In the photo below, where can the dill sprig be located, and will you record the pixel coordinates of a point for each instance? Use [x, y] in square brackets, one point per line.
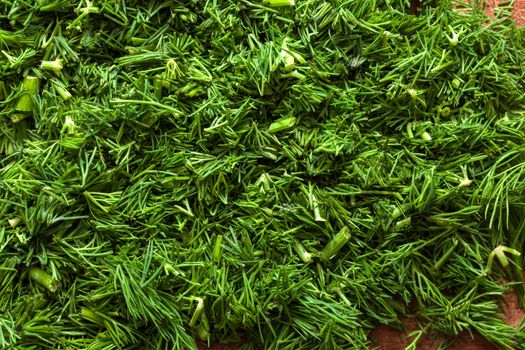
[284, 174]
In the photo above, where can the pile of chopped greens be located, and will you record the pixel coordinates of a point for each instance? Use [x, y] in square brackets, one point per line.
[280, 174]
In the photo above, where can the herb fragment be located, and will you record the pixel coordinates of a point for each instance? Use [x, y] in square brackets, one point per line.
[284, 174]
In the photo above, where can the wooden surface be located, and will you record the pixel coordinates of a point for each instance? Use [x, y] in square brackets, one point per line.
[519, 11]
[387, 338]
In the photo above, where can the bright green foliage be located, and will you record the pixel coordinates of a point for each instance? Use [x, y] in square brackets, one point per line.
[288, 174]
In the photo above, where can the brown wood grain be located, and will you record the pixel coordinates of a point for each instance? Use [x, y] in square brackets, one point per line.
[519, 11]
[387, 338]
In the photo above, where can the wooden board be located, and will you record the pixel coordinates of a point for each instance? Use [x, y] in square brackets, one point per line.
[387, 338]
